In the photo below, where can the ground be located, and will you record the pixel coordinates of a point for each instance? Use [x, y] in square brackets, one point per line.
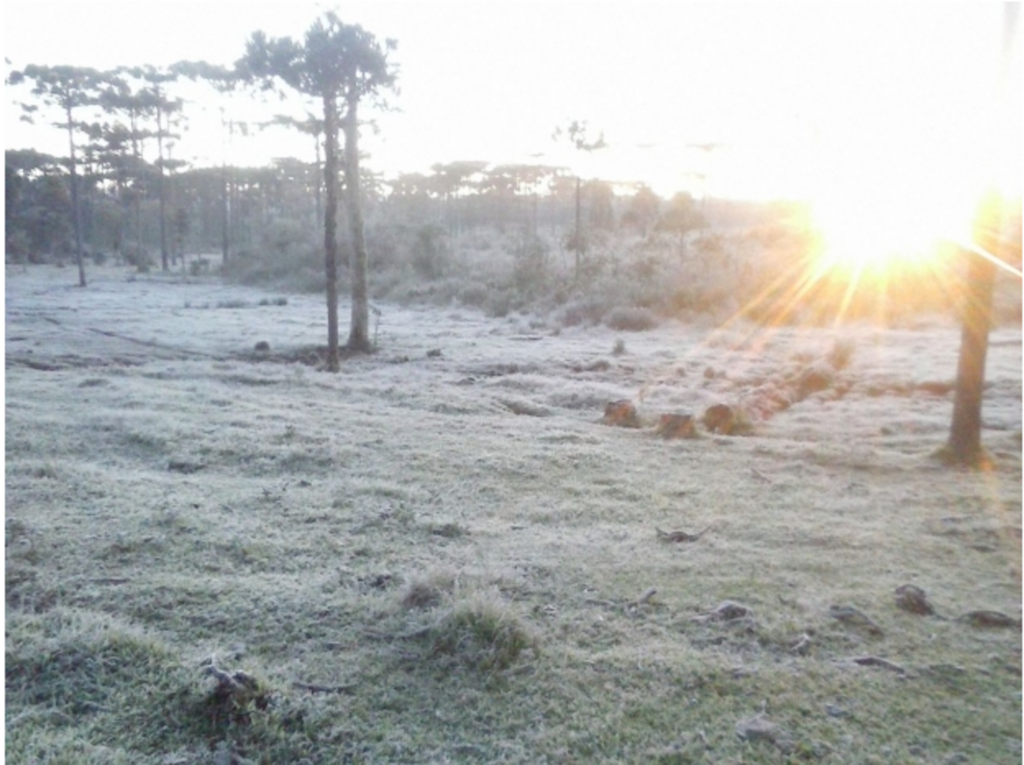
[440, 554]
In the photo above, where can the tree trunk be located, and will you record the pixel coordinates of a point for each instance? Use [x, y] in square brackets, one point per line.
[964, 446]
[331, 227]
[225, 235]
[76, 204]
[137, 191]
[577, 240]
[160, 189]
[317, 186]
[359, 333]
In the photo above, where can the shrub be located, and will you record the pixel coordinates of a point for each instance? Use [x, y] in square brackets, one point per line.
[474, 294]
[431, 254]
[630, 319]
[498, 303]
[588, 310]
[530, 256]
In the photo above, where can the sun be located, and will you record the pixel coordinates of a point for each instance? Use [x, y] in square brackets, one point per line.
[870, 226]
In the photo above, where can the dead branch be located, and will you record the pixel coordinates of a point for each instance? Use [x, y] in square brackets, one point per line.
[679, 536]
[875, 661]
[644, 598]
[314, 688]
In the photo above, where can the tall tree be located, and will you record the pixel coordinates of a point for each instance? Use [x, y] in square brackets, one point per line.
[166, 111]
[989, 251]
[121, 98]
[339, 64]
[576, 134]
[67, 88]
[989, 247]
[224, 80]
[37, 204]
[681, 217]
[643, 210]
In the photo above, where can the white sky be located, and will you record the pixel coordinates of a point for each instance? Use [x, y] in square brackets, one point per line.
[886, 96]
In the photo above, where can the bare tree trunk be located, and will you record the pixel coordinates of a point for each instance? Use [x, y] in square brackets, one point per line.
[577, 241]
[137, 192]
[331, 228]
[226, 214]
[76, 204]
[359, 333]
[317, 187]
[160, 190]
[964, 446]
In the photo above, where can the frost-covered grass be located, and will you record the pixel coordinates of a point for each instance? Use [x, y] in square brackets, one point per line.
[445, 557]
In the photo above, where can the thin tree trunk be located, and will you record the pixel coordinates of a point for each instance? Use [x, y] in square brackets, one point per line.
[317, 187]
[359, 334]
[76, 203]
[331, 227]
[160, 189]
[137, 191]
[964, 446]
[576, 236]
[225, 214]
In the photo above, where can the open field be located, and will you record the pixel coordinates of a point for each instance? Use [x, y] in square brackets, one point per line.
[440, 554]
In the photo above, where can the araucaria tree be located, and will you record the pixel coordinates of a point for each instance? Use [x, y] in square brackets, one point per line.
[340, 65]
[67, 88]
[576, 134]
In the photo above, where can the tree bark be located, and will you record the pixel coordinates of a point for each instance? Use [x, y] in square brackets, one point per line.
[964, 446]
[331, 227]
[359, 335]
[317, 186]
[161, 194]
[577, 240]
[76, 203]
[225, 236]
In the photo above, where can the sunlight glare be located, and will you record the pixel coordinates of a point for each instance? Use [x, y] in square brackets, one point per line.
[869, 220]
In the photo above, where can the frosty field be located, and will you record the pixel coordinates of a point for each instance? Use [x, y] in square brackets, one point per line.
[440, 554]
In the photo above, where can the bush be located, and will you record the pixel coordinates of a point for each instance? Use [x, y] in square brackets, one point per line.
[631, 319]
[530, 256]
[290, 256]
[431, 254]
[587, 310]
[475, 294]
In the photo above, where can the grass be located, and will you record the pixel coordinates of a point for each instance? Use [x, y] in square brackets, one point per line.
[412, 573]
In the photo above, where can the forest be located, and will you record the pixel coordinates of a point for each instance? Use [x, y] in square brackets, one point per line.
[496, 236]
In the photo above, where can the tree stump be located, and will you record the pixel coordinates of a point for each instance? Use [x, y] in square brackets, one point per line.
[720, 418]
[676, 426]
[622, 414]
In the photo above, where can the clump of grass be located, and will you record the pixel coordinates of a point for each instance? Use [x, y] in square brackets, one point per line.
[449, 530]
[80, 662]
[425, 591]
[232, 304]
[482, 631]
[45, 471]
[742, 424]
[278, 301]
[619, 348]
[841, 354]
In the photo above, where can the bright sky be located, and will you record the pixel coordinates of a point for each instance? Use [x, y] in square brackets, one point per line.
[894, 99]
